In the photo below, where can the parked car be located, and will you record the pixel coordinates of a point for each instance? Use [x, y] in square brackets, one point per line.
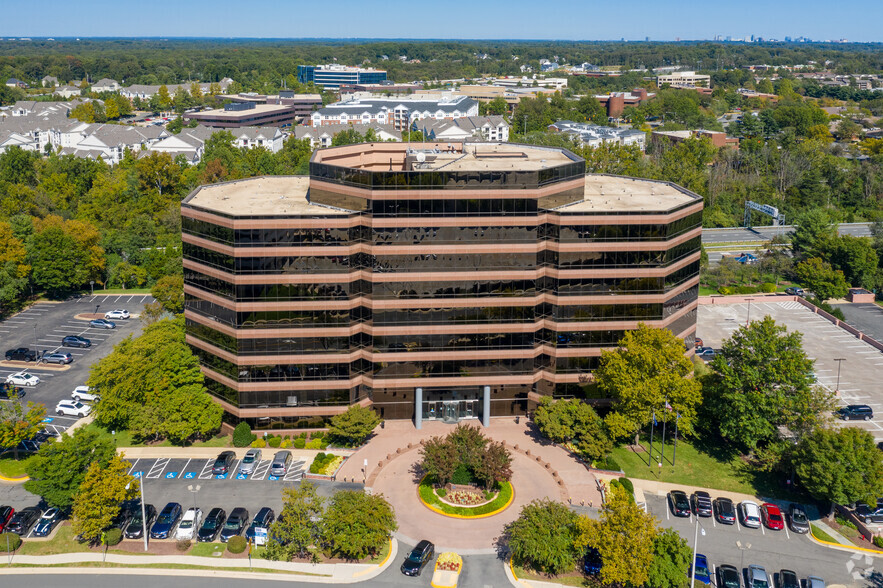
[750, 514]
[281, 463]
[728, 577]
[755, 577]
[235, 524]
[22, 521]
[47, 522]
[57, 357]
[21, 354]
[725, 511]
[117, 314]
[706, 353]
[166, 521]
[211, 525]
[856, 412]
[72, 408]
[772, 516]
[698, 342]
[189, 524]
[701, 572]
[421, 555]
[680, 506]
[787, 579]
[23, 379]
[84, 394]
[136, 526]
[76, 341]
[223, 463]
[701, 503]
[6, 513]
[870, 514]
[815, 582]
[795, 291]
[102, 324]
[121, 521]
[250, 461]
[263, 519]
[10, 391]
[797, 519]
[592, 562]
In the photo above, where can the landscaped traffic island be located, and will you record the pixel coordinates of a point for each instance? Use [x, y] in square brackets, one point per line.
[447, 570]
[465, 475]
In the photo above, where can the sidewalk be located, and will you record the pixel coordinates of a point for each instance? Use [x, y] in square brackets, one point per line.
[654, 488]
[319, 573]
[212, 452]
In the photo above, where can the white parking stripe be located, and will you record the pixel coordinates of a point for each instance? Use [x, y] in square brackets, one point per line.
[158, 468]
[260, 470]
[786, 532]
[184, 469]
[132, 469]
[206, 472]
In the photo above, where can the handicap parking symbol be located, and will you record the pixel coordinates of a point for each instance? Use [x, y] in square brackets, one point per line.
[171, 475]
[272, 478]
[137, 474]
[241, 476]
[221, 477]
[189, 475]
[48, 420]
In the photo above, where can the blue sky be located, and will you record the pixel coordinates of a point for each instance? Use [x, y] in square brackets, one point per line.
[859, 20]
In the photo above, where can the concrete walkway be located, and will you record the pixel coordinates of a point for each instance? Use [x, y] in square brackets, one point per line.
[133, 453]
[339, 573]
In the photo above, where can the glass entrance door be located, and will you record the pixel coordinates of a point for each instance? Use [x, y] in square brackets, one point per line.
[451, 411]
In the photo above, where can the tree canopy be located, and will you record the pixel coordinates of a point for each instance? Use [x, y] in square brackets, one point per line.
[841, 465]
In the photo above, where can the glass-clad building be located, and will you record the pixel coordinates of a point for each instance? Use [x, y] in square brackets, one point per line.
[331, 77]
[431, 281]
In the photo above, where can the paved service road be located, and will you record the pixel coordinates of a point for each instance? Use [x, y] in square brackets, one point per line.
[738, 234]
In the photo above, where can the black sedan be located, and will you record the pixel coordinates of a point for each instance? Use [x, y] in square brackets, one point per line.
[418, 558]
[725, 511]
[223, 463]
[76, 341]
[47, 522]
[787, 579]
[262, 520]
[211, 525]
[797, 519]
[23, 520]
[135, 528]
[728, 577]
[679, 504]
[235, 524]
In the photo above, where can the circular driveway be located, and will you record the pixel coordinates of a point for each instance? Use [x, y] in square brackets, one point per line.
[397, 481]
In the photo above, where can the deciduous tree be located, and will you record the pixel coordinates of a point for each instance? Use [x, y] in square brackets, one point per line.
[823, 280]
[100, 497]
[672, 558]
[297, 528]
[574, 421]
[841, 465]
[169, 292]
[354, 425]
[357, 525]
[19, 422]
[543, 536]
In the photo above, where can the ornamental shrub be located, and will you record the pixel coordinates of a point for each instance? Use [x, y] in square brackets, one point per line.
[242, 435]
[182, 545]
[746, 289]
[725, 290]
[274, 441]
[113, 536]
[768, 287]
[878, 541]
[300, 443]
[315, 444]
[259, 443]
[237, 544]
[287, 444]
[13, 539]
[462, 475]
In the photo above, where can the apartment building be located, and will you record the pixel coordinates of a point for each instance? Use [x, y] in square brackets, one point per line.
[677, 79]
[399, 112]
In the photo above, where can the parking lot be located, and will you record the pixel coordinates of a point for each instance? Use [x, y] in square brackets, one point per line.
[742, 546]
[201, 469]
[42, 327]
[859, 380]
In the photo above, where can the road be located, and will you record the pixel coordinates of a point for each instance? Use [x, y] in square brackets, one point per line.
[740, 234]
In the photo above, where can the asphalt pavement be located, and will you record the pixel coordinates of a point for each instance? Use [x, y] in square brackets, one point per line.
[738, 234]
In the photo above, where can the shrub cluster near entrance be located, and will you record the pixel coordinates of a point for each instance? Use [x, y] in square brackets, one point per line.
[467, 455]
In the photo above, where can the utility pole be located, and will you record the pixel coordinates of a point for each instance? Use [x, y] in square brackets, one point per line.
[839, 361]
[748, 319]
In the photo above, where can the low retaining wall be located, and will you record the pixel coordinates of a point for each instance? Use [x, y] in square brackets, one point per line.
[850, 516]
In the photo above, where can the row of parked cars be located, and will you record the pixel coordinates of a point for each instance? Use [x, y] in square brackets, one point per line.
[750, 513]
[20, 522]
[76, 406]
[173, 522]
[279, 467]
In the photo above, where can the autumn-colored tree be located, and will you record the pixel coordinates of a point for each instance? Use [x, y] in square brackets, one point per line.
[100, 497]
[20, 423]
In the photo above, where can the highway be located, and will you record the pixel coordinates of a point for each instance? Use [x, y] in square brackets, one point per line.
[741, 234]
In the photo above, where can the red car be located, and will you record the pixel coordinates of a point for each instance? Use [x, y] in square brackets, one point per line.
[772, 516]
[6, 513]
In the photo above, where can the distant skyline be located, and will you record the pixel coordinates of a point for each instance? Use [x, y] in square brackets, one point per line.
[660, 20]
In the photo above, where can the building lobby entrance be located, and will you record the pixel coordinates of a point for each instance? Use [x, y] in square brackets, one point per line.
[450, 405]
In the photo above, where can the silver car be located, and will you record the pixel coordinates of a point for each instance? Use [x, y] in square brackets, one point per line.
[250, 461]
[756, 577]
[280, 464]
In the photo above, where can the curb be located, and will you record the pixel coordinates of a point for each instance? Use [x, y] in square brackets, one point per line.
[14, 480]
[382, 565]
[841, 547]
[466, 517]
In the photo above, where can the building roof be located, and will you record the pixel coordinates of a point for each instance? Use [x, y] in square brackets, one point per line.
[258, 109]
[262, 196]
[587, 132]
[604, 193]
[497, 157]
[377, 105]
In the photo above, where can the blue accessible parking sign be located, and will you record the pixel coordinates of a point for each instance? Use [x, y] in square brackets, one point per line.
[221, 477]
[273, 478]
[138, 474]
[189, 475]
[171, 475]
[241, 476]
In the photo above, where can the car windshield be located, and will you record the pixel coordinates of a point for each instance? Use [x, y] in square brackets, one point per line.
[210, 524]
[775, 517]
[185, 524]
[731, 581]
[415, 556]
[758, 583]
[136, 521]
[164, 518]
[220, 462]
[232, 523]
[248, 459]
[701, 568]
[798, 517]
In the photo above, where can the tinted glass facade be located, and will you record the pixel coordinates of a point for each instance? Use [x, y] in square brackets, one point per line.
[304, 314]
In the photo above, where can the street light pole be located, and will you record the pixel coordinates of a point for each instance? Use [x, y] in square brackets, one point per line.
[143, 512]
[748, 320]
[839, 361]
[695, 549]
[194, 490]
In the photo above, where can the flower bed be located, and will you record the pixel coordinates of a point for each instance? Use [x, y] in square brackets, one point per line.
[430, 499]
[449, 561]
[463, 498]
[325, 464]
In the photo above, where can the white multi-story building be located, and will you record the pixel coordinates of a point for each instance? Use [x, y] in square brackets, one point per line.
[678, 79]
[483, 128]
[398, 112]
[596, 135]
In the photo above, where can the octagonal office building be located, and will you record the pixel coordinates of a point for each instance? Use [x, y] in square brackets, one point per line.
[432, 281]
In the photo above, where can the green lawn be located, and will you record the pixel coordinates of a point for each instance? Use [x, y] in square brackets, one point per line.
[697, 464]
[207, 549]
[124, 438]
[13, 468]
[822, 536]
[565, 580]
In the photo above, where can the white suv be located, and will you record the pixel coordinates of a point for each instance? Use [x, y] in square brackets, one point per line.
[116, 314]
[750, 514]
[84, 394]
[72, 408]
[189, 524]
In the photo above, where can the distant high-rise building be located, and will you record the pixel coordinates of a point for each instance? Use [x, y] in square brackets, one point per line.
[331, 77]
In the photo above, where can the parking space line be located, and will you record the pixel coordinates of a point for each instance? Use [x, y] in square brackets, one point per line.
[184, 469]
[260, 470]
[786, 532]
[133, 466]
[761, 529]
[206, 473]
[158, 468]
[231, 475]
[295, 473]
